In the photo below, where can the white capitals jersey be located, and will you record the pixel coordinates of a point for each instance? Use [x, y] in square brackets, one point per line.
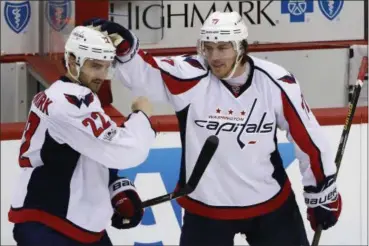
[69, 155]
[245, 178]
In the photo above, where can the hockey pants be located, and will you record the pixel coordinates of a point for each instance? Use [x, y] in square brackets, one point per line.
[36, 234]
[282, 227]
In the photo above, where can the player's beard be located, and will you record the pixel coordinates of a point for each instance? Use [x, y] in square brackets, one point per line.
[221, 72]
[224, 70]
[95, 85]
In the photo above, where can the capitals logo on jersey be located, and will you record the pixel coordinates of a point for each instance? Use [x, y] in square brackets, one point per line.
[237, 123]
[87, 99]
[58, 13]
[17, 15]
[289, 79]
[193, 62]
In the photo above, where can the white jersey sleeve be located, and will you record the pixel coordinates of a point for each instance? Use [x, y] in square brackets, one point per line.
[80, 122]
[311, 146]
[168, 79]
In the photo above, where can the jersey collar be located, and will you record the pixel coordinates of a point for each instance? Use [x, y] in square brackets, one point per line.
[246, 85]
[65, 79]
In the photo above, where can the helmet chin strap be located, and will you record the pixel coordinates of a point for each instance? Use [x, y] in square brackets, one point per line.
[237, 62]
[234, 66]
[76, 78]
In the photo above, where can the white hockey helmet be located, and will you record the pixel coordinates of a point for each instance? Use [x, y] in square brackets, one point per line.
[224, 27]
[85, 43]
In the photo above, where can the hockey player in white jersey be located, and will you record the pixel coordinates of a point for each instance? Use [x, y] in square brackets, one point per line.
[69, 190]
[243, 100]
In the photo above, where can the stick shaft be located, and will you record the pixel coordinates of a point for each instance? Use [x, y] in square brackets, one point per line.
[206, 153]
[165, 198]
[346, 130]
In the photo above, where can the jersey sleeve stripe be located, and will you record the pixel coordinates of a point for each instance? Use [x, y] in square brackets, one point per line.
[174, 84]
[302, 138]
[299, 132]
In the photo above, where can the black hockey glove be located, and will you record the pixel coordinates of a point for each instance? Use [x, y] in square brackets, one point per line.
[324, 204]
[123, 39]
[127, 204]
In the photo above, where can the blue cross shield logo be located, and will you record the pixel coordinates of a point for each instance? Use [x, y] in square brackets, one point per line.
[17, 15]
[58, 13]
[330, 9]
[297, 9]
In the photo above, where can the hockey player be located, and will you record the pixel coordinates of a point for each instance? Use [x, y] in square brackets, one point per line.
[69, 190]
[243, 100]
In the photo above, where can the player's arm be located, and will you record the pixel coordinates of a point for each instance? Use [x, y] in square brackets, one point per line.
[93, 134]
[313, 152]
[168, 79]
[165, 79]
[312, 149]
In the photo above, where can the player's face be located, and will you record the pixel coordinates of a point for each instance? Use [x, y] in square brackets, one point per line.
[93, 73]
[221, 57]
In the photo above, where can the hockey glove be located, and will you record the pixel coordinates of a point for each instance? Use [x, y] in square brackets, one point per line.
[94, 23]
[324, 204]
[123, 39]
[127, 204]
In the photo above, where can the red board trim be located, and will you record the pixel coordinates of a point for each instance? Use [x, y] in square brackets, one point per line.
[192, 50]
[169, 123]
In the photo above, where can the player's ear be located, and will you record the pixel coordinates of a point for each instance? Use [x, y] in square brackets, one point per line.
[71, 60]
[72, 63]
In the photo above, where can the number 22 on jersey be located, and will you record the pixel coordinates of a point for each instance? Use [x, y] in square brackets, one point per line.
[34, 121]
[92, 123]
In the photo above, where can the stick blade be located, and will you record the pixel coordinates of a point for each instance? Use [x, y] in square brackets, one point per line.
[206, 153]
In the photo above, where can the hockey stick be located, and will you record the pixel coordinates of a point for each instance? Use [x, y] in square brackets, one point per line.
[346, 129]
[206, 153]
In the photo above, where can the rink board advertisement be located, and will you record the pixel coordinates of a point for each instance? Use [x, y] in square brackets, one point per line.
[166, 24]
[158, 23]
[158, 175]
[20, 25]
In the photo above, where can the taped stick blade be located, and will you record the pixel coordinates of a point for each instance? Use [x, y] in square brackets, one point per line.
[206, 153]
